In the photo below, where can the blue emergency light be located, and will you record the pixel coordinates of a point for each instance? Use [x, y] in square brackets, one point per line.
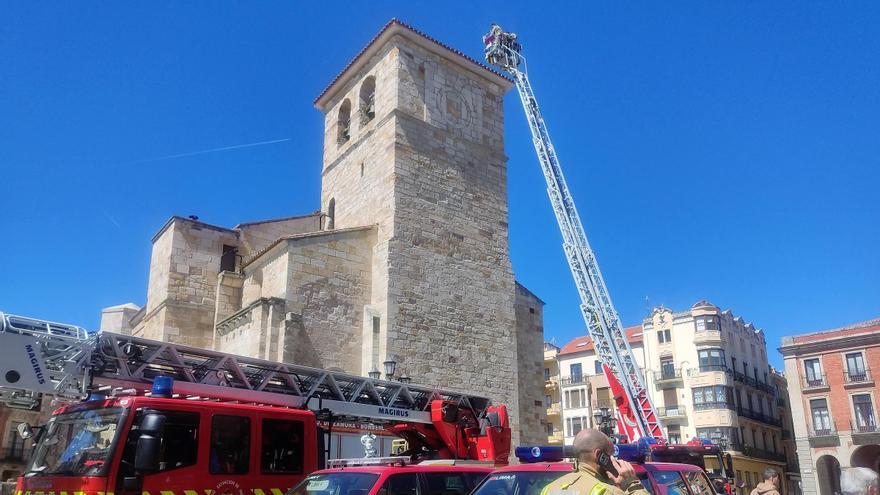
[162, 386]
[630, 452]
[543, 453]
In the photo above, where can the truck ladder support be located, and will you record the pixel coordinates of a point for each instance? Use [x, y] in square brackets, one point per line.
[42, 357]
[603, 323]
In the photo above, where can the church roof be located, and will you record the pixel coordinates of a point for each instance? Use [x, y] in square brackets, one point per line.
[393, 27]
[319, 233]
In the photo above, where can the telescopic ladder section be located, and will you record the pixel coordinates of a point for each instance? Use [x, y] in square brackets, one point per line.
[40, 357]
[603, 324]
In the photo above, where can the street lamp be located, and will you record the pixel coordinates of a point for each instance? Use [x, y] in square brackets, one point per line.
[404, 379]
[390, 366]
[375, 374]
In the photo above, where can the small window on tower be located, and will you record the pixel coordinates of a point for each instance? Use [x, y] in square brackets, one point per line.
[343, 123]
[331, 214]
[367, 108]
[227, 259]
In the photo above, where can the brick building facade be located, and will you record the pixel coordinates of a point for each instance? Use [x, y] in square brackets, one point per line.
[833, 396]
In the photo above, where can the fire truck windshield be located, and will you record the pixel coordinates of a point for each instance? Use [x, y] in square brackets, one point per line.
[335, 484]
[77, 443]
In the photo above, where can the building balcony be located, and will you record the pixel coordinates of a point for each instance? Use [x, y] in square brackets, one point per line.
[554, 409]
[705, 406]
[780, 402]
[762, 454]
[858, 378]
[764, 387]
[763, 418]
[816, 383]
[552, 383]
[709, 368]
[672, 412]
[865, 434]
[823, 437]
[707, 337]
[787, 435]
[555, 438]
[668, 378]
[568, 381]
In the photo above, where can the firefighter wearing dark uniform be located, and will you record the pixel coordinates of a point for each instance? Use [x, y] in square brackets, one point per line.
[591, 479]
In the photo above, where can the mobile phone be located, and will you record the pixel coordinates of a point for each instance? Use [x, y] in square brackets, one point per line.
[604, 461]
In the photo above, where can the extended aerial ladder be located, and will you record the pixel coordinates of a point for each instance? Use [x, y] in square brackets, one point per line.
[603, 323]
[64, 361]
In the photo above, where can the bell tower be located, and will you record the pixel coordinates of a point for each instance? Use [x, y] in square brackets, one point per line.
[414, 144]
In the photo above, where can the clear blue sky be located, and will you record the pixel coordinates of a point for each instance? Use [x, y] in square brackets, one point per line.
[720, 150]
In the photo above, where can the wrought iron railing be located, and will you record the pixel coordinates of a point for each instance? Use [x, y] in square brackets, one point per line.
[762, 454]
[815, 381]
[822, 432]
[857, 376]
[667, 374]
[713, 367]
[671, 411]
[13, 454]
[863, 428]
[712, 405]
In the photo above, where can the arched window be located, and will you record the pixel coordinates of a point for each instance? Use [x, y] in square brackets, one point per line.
[367, 99]
[331, 213]
[343, 123]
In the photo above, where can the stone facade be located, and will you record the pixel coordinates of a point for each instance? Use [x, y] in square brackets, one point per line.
[408, 258]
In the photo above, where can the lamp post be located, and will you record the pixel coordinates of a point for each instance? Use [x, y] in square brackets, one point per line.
[375, 374]
[390, 366]
[404, 379]
[604, 420]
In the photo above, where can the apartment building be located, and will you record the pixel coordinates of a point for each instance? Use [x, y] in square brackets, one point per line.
[584, 390]
[833, 397]
[552, 395]
[710, 379]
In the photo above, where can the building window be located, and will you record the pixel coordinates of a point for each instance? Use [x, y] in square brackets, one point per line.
[598, 367]
[576, 426]
[813, 370]
[377, 325]
[227, 258]
[282, 447]
[712, 360]
[576, 372]
[230, 444]
[712, 397]
[728, 438]
[367, 99]
[667, 368]
[343, 123]
[673, 433]
[864, 412]
[706, 323]
[821, 417]
[331, 214]
[855, 367]
[548, 401]
[664, 336]
[546, 374]
[575, 398]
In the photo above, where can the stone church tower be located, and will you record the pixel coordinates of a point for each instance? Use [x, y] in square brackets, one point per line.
[407, 259]
[413, 143]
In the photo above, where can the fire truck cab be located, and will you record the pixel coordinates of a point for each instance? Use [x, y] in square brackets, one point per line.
[161, 446]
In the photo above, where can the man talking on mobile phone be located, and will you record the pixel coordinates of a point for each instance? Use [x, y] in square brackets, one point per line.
[597, 472]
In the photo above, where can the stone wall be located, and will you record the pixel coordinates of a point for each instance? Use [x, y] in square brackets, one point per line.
[304, 301]
[184, 273]
[450, 272]
[530, 366]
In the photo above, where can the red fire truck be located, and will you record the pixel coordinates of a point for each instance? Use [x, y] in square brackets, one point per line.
[166, 419]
